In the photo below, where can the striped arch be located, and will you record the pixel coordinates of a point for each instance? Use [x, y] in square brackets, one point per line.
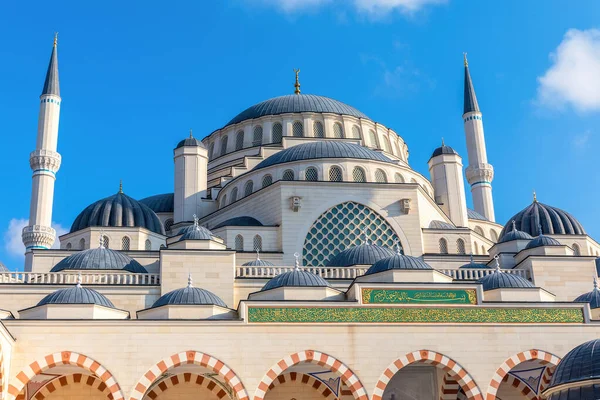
[195, 358]
[546, 378]
[463, 378]
[322, 359]
[307, 380]
[66, 380]
[173, 380]
[510, 363]
[520, 386]
[450, 388]
[65, 358]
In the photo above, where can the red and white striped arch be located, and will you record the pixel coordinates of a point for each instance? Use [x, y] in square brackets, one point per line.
[201, 381]
[306, 380]
[520, 386]
[72, 379]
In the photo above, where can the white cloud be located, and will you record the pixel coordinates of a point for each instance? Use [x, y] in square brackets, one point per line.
[574, 77]
[12, 237]
[371, 7]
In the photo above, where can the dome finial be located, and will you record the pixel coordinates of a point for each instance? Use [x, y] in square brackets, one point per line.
[534, 197]
[366, 236]
[189, 279]
[397, 246]
[540, 233]
[195, 221]
[297, 84]
[443, 144]
[514, 224]
[257, 255]
[191, 136]
[101, 239]
[595, 283]
[465, 59]
[297, 263]
[497, 259]
[55, 38]
[471, 258]
[121, 186]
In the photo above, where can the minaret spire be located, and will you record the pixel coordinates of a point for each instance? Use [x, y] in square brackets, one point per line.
[51, 84]
[297, 84]
[471, 104]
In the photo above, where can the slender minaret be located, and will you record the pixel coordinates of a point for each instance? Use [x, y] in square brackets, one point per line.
[479, 173]
[44, 162]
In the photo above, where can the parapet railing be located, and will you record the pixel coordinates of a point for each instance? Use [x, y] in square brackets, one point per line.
[466, 274]
[71, 278]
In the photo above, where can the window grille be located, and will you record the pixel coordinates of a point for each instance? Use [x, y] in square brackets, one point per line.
[224, 201]
[358, 175]
[239, 243]
[125, 242]
[318, 130]
[267, 180]
[460, 246]
[257, 243]
[234, 194]
[288, 175]
[398, 178]
[69, 245]
[479, 231]
[168, 224]
[311, 174]
[148, 245]
[239, 140]
[224, 145]
[493, 235]
[356, 132]
[576, 249]
[249, 188]
[211, 150]
[338, 131]
[297, 129]
[82, 244]
[277, 132]
[105, 241]
[257, 136]
[380, 176]
[386, 145]
[372, 139]
[335, 174]
[443, 246]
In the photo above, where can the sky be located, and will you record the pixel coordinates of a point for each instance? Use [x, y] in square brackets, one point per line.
[135, 76]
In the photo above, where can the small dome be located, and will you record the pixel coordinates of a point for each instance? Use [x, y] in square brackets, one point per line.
[118, 210]
[542, 240]
[435, 224]
[443, 149]
[580, 364]
[592, 297]
[474, 265]
[398, 261]
[472, 214]
[239, 221]
[514, 234]
[76, 295]
[191, 296]
[197, 233]
[258, 263]
[554, 221]
[190, 141]
[99, 259]
[295, 278]
[160, 203]
[503, 280]
[364, 254]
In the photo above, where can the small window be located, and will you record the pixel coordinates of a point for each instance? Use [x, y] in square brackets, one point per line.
[148, 245]
[257, 136]
[239, 243]
[358, 175]
[493, 235]
[338, 131]
[224, 201]
[82, 244]
[386, 145]
[224, 145]
[335, 174]
[234, 194]
[460, 246]
[267, 181]
[211, 150]
[257, 243]
[277, 132]
[249, 188]
[105, 241]
[297, 129]
[239, 140]
[69, 246]
[398, 178]
[380, 176]
[318, 130]
[576, 249]
[125, 243]
[413, 180]
[479, 231]
[483, 251]
[372, 139]
[443, 246]
[288, 175]
[311, 174]
[168, 224]
[356, 132]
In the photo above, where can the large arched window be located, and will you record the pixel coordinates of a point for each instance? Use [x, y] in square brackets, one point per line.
[398, 178]
[234, 195]
[239, 243]
[311, 174]
[460, 246]
[373, 139]
[82, 244]
[443, 246]
[380, 176]
[168, 224]
[257, 136]
[338, 131]
[257, 242]
[288, 175]
[224, 145]
[318, 130]
[239, 140]
[297, 129]
[105, 241]
[335, 174]
[249, 188]
[277, 132]
[358, 175]
[125, 243]
[148, 245]
[267, 180]
[576, 249]
[211, 150]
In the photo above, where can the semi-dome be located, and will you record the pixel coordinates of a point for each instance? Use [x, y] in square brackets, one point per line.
[473, 265]
[398, 262]
[99, 259]
[76, 295]
[553, 221]
[579, 365]
[364, 254]
[296, 103]
[160, 203]
[592, 297]
[542, 240]
[437, 224]
[189, 296]
[503, 280]
[514, 234]
[295, 278]
[239, 221]
[322, 149]
[118, 210]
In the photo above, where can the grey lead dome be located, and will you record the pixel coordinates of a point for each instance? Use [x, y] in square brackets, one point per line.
[99, 259]
[76, 295]
[554, 221]
[295, 278]
[191, 296]
[364, 254]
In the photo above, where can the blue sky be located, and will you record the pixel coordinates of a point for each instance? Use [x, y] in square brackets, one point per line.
[135, 76]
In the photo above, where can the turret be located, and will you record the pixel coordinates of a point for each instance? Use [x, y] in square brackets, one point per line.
[191, 174]
[479, 173]
[445, 168]
[44, 162]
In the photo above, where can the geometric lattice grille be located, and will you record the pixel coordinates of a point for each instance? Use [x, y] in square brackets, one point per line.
[105, 241]
[335, 174]
[125, 243]
[239, 242]
[338, 131]
[311, 174]
[460, 246]
[443, 246]
[239, 140]
[358, 175]
[297, 129]
[342, 227]
[257, 136]
[398, 178]
[380, 176]
[257, 242]
[267, 180]
[288, 175]
[356, 132]
[148, 245]
[318, 130]
[277, 132]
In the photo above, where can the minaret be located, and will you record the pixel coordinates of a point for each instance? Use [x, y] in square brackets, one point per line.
[44, 162]
[479, 173]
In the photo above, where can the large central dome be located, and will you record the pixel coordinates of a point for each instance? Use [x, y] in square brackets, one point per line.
[296, 103]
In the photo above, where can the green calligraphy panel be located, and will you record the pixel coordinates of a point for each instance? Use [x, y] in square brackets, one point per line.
[419, 296]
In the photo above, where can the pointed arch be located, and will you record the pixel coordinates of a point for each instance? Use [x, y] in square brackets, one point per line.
[65, 358]
[189, 357]
[466, 382]
[312, 356]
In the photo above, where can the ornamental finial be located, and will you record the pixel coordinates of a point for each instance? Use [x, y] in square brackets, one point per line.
[195, 221]
[121, 186]
[191, 136]
[297, 264]
[79, 279]
[366, 236]
[534, 197]
[397, 245]
[497, 259]
[55, 38]
[189, 279]
[514, 224]
[465, 59]
[257, 255]
[471, 259]
[540, 233]
[595, 283]
[101, 239]
[297, 84]
[443, 144]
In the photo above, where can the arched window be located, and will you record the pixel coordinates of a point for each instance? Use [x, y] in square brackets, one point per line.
[148, 245]
[443, 246]
[460, 246]
[297, 129]
[476, 247]
[168, 224]
[356, 132]
[105, 241]
[483, 251]
[125, 242]
[249, 188]
[224, 201]
[211, 150]
[277, 132]
[239, 243]
[493, 235]
[479, 231]
[372, 139]
[398, 178]
[82, 244]
[413, 180]
[338, 131]
[69, 245]
[318, 130]
[288, 175]
[358, 175]
[239, 140]
[224, 145]
[386, 144]
[311, 174]
[267, 180]
[234, 194]
[335, 174]
[257, 243]
[576, 249]
[257, 136]
[380, 176]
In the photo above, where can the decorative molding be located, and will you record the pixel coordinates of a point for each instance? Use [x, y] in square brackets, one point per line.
[479, 172]
[420, 296]
[45, 159]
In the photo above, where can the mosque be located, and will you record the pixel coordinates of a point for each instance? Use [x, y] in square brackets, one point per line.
[300, 257]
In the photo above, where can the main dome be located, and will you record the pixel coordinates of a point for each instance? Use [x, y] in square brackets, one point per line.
[296, 103]
[554, 221]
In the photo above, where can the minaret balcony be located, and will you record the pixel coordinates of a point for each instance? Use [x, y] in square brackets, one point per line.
[38, 236]
[45, 160]
[479, 173]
